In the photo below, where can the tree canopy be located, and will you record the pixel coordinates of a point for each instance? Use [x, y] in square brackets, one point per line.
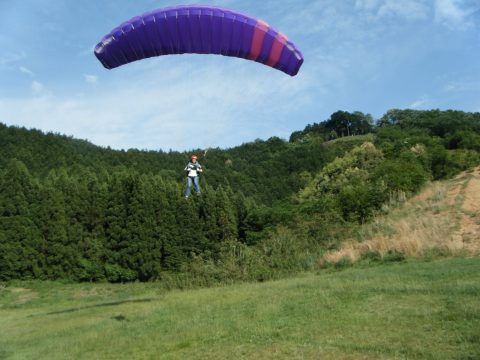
[72, 210]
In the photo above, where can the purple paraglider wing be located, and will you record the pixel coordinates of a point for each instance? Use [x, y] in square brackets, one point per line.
[198, 30]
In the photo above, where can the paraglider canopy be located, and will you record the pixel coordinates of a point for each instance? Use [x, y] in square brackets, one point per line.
[198, 29]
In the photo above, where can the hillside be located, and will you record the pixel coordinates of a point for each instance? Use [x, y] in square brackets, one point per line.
[267, 171]
[443, 218]
[268, 209]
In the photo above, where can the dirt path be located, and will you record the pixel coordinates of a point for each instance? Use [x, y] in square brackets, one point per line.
[472, 193]
[468, 202]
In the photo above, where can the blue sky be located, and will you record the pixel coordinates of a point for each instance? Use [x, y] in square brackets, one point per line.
[360, 55]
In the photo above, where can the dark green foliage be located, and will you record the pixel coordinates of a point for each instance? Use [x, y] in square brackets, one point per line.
[371, 256]
[71, 210]
[343, 263]
[464, 140]
[124, 227]
[401, 174]
[340, 124]
[438, 123]
[438, 132]
[20, 239]
[393, 256]
[349, 182]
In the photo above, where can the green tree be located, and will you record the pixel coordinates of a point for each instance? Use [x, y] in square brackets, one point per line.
[20, 240]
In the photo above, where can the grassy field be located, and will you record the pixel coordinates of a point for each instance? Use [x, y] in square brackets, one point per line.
[412, 310]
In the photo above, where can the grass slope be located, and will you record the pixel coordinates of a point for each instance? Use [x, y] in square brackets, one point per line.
[444, 217]
[412, 310]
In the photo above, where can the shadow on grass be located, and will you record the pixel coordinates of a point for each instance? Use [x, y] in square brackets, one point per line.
[120, 318]
[4, 354]
[112, 303]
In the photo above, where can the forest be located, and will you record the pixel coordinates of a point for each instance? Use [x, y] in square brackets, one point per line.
[74, 211]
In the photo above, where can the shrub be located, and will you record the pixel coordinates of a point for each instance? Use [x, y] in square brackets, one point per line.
[394, 256]
[344, 262]
[116, 273]
[371, 256]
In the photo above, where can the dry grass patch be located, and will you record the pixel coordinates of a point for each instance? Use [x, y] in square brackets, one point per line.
[23, 295]
[445, 217]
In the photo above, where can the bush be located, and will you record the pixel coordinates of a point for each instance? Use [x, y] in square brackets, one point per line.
[343, 263]
[394, 256]
[371, 256]
[116, 273]
[404, 174]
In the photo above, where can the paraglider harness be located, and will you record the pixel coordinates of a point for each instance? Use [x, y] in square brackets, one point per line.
[193, 167]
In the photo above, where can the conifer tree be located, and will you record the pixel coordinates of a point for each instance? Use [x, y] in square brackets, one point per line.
[20, 239]
[58, 251]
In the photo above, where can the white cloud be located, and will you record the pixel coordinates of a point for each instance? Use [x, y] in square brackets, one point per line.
[91, 79]
[366, 4]
[422, 103]
[408, 9]
[11, 57]
[455, 13]
[462, 86]
[187, 107]
[25, 70]
[88, 51]
[37, 88]
[318, 17]
[330, 18]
